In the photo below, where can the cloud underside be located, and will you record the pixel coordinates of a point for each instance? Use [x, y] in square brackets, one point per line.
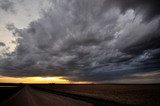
[7, 5]
[88, 40]
[2, 44]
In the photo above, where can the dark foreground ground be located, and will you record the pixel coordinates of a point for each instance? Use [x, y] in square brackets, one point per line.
[79, 95]
[28, 96]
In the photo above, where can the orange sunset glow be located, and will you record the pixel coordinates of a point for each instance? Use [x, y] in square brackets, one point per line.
[33, 80]
[56, 79]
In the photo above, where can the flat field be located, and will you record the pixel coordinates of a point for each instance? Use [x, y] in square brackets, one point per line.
[133, 94]
[6, 91]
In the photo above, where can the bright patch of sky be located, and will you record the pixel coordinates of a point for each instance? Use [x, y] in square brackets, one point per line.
[20, 13]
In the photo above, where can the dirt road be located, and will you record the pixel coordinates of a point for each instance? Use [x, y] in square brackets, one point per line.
[32, 97]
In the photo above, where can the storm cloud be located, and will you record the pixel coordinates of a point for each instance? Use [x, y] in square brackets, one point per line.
[2, 44]
[88, 40]
[7, 5]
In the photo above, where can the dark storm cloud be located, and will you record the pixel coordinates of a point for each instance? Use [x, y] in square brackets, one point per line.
[88, 40]
[149, 7]
[2, 44]
[7, 5]
[148, 61]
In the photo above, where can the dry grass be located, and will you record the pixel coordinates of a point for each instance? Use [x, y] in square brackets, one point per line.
[128, 94]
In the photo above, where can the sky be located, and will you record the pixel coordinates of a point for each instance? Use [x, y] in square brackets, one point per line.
[76, 41]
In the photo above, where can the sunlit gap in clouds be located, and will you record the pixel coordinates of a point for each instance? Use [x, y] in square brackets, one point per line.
[55, 79]
[33, 79]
